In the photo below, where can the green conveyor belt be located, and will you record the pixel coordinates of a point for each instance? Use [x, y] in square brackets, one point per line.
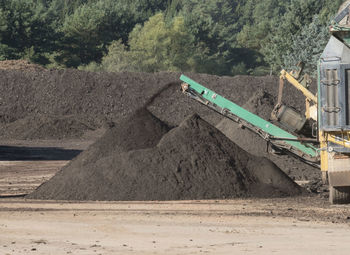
[249, 117]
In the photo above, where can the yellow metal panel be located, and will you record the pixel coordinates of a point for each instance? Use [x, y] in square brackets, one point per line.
[324, 152]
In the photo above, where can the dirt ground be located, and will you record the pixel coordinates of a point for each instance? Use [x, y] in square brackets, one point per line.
[24, 165]
[187, 227]
[17, 177]
[302, 225]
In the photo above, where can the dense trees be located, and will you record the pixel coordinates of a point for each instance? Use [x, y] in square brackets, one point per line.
[296, 19]
[212, 36]
[155, 46]
[26, 29]
[307, 46]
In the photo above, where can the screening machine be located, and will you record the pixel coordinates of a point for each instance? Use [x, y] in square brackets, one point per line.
[328, 145]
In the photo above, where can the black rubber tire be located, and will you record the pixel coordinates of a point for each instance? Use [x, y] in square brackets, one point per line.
[339, 195]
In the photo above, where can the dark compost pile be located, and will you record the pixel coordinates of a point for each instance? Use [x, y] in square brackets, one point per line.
[68, 104]
[141, 159]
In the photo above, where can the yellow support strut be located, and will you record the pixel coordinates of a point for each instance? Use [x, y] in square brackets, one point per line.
[287, 76]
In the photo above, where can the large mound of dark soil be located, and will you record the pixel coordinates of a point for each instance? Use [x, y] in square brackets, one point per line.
[42, 126]
[113, 96]
[92, 99]
[141, 160]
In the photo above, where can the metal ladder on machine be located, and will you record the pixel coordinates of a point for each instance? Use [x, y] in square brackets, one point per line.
[280, 139]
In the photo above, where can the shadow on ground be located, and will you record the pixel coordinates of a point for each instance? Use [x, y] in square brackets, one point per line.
[14, 153]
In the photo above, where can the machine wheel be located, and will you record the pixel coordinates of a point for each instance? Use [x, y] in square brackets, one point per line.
[339, 195]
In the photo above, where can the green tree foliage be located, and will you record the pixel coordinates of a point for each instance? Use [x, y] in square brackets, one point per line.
[26, 30]
[118, 59]
[258, 18]
[308, 46]
[161, 47]
[68, 32]
[328, 10]
[83, 41]
[94, 24]
[299, 13]
[214, 25]
[155, 46]
[213, 36]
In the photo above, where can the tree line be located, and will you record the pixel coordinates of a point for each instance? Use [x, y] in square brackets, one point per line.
[224, 37]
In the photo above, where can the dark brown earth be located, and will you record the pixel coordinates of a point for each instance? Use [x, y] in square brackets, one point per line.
[109, 96]
[42, 126]
[142, 161]
[63, 104]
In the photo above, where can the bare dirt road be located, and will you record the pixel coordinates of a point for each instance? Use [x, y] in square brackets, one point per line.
[18, 177]
[186, 227]
[302, 225]
[24, 165]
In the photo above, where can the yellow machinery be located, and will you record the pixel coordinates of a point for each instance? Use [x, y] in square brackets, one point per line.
[330, 108]
[326, 119]
[332, 130]
[334, 108]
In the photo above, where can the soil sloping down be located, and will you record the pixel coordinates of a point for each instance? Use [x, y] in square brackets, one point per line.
[149, 161]
[64, 104]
